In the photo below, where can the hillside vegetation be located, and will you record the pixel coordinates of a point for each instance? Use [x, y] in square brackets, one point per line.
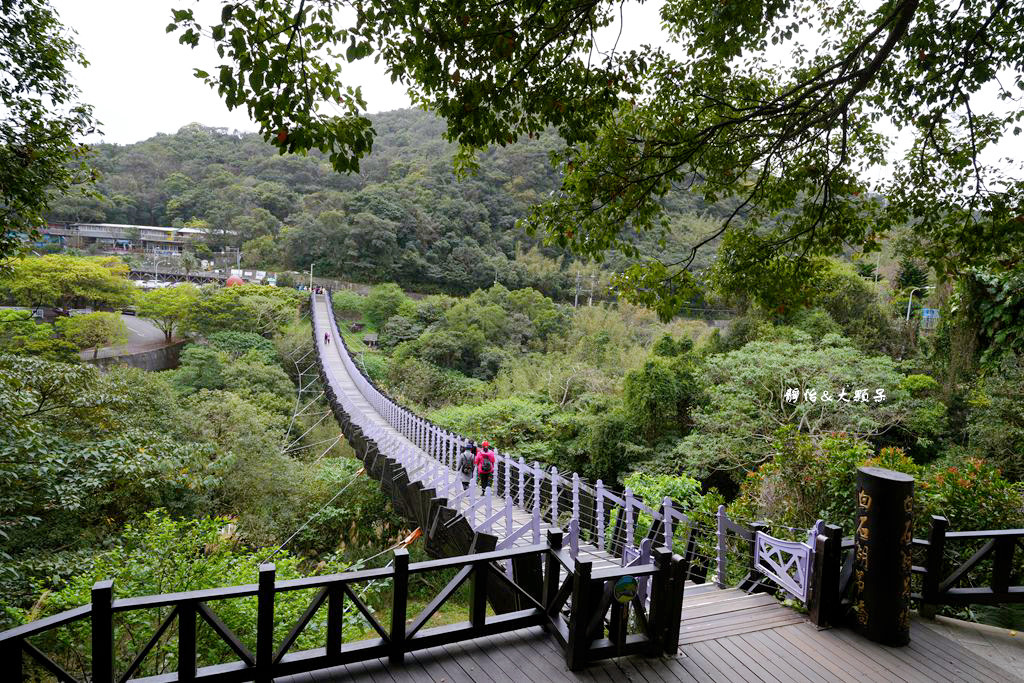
[404, 217]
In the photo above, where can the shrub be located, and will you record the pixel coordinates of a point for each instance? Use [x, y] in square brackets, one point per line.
[348, 304]
[809, 479]
[160, 552]
[996, 422]
[660, 395]
[972, 494]
[383, 302]
[236, 343]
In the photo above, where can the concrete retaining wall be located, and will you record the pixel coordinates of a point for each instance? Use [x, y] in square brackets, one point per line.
[162, 358]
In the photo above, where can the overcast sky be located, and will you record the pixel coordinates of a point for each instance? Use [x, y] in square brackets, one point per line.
[140, 79]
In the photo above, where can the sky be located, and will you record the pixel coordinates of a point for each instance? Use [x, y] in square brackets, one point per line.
[140, 80]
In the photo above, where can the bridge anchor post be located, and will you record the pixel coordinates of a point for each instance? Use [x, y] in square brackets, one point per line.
[882, 561]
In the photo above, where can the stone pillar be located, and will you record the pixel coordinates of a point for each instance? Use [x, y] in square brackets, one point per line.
[881, 565]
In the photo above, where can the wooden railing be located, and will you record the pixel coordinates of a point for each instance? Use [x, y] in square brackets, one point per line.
[996, 550]
[576, 603]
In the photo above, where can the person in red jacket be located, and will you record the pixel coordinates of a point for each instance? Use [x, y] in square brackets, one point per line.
[485, 465]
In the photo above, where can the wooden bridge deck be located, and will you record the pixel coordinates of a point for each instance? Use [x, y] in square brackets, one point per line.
[726, 635]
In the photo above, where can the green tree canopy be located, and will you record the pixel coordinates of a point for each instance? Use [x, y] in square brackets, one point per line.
[383, 302]
[789, 143]
[261, 309]
[41, 118]
[747, 400]
[168, 307]
[64, 280]
[94, 330]
[21, 335]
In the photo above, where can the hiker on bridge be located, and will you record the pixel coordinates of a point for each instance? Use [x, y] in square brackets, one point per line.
[485, 459]
[467, 461]
[327, 338]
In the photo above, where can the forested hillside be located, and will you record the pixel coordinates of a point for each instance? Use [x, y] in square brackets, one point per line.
[404, 217]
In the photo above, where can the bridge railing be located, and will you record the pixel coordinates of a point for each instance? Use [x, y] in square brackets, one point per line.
[617, 523]
[584, 610]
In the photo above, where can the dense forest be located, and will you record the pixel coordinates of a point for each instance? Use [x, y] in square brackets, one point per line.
[404, 217]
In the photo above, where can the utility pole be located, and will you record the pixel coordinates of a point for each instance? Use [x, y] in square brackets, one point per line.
[576, 300]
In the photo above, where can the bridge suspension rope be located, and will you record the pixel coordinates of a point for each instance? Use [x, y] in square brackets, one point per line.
[314, 515]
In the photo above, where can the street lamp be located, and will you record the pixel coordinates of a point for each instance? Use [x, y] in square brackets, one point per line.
[911, 300]
[311, 277]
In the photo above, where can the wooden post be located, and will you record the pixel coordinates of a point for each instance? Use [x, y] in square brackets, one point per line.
[399, 601]
[674, 610]
[489, 504]
[882, 562]
[11, 656]
[659, 600]
[335, 619]
[823, 602]
[102, 618]
[752, 571]
[666, 517]
[478, 604]
[628, 497]
[538, 477]
[187, 641]
[576, 496]
[522, 483]
[933, 566]
[1002, 564]
[551, 570]
[506, 462]
[579, 618]
[265, 624]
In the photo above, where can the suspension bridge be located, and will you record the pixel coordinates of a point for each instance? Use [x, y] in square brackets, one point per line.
[568, 580]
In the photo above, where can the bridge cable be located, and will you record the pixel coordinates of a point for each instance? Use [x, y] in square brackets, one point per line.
[315, 514]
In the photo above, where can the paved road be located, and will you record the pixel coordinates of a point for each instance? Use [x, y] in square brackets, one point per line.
[142, 336]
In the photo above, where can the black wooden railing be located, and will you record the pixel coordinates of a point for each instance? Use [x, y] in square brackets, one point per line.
[995, 552]
[576, 604]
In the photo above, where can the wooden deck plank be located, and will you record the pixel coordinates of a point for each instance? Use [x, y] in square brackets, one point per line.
[654, 670]
[745, 668]
[524, 651]
[683, 666]
[741, 612]
[897, 659]
[942, 646]
[409, 672]
[715, 670]
[431, 667]
[956, 668]
[475, 653]
[735, 627]
[792, 666]
[711, 609]
[813, 643]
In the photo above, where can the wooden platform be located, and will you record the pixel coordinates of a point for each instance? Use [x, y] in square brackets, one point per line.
[726, 636]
